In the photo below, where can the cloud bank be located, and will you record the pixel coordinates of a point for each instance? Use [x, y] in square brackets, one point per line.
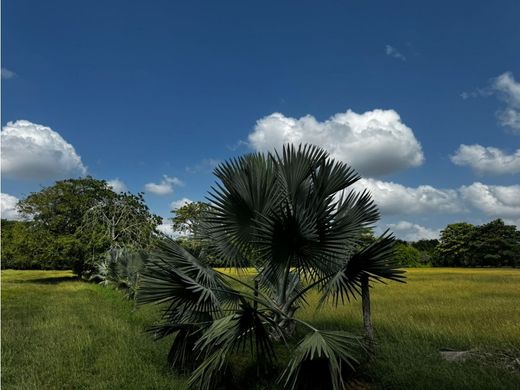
[393, 198]
[508, 91]
[487, 160]
[8, 207]
[409, 231]
[32, 151]
[375, 143]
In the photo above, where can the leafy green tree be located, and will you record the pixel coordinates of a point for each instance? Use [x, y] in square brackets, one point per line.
[75, 221]
[60, 208]
[29, 246]
[495, 244]
[407, 256]
[187, 219]
[453, 248]
[295, 214]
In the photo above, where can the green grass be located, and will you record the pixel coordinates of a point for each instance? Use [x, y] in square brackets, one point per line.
[61, 333]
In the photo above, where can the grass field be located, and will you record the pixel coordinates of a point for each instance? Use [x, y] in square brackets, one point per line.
[60, 333]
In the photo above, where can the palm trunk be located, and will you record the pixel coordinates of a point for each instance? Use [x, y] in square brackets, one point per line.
[367, 319]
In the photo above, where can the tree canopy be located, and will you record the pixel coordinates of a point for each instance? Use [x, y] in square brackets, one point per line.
[72, 223]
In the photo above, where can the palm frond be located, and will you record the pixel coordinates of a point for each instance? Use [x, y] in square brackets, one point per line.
[320, 360]
[244, 329]
[376, 260]
[174, 276]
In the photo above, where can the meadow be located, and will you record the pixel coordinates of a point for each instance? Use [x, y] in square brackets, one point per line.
[59, 332]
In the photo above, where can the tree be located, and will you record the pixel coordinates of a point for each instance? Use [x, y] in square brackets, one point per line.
[75, 221]
[295, 214]
[453, 247]
[60, 208]
[407, 256]
[495, 244]
[187, 218]
[120, 221]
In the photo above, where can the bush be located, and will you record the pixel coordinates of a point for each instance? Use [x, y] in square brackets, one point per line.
[408, 256]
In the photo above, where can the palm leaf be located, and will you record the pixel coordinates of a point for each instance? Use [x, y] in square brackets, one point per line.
[376, 260]
[320, 360]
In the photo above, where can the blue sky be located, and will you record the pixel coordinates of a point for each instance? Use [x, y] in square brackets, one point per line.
[146, 89]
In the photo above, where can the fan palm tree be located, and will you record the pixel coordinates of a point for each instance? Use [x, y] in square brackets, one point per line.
[293, 216]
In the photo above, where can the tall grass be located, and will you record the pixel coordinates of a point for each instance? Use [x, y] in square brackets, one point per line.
[58, 332]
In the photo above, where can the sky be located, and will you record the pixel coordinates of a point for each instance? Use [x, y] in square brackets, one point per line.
[422, 98]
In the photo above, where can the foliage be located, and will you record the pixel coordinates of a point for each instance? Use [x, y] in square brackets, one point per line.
[60, 208]
[71, 224]
[186, 219]
[121, 267]
[26, 245]
[407, 256]
[295, 217]
[453, 248]
[118, 222]
[496, 244]
[492, 244]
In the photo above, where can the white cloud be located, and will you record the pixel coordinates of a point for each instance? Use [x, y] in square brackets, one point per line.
[117, 185]
[487, 160]
[375, 143]
[508, 88]
[409, 231]
[510, 117]
[7, 74]
[8, 207]
[165, 187]
[494, 201]
[393, 198]
[167, 229]
[177, 204]
[509, 91]
[33, 151]
[206, 166]
[393, 52]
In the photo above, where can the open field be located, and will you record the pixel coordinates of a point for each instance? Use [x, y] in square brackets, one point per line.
[58, 332]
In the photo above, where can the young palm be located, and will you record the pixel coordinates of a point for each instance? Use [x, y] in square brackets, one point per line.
[294, 218]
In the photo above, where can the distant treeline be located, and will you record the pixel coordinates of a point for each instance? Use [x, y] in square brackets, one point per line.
[78, 223]
[493, 244]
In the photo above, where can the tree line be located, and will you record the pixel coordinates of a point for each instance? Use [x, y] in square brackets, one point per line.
[81, 224]
[493, 244]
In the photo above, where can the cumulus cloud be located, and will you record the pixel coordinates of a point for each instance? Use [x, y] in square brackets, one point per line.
[166, 228]
[509, 91]
[7, 74]
[494, 201]
[8, 207]
[177, 204]
[487, 160]
[393, 52]
[117, 185]
[165, 187]
[409, 231]
[33, 151]
[393, 198]
[375, 143]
